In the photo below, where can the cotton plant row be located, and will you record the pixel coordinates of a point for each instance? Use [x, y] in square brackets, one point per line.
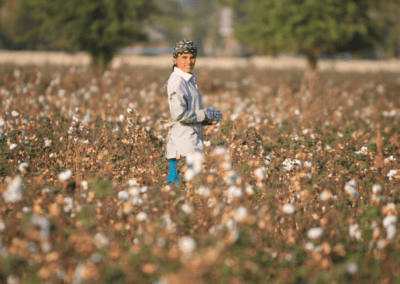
[281, 174]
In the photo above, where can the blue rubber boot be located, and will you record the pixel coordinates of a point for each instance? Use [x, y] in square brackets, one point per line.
[173, 172]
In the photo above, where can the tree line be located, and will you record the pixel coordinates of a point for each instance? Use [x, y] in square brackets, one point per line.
[100, 27]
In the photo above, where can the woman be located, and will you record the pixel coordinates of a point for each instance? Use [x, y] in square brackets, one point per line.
[185, 135]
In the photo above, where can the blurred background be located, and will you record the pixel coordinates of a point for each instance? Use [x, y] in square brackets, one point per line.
[313, 29]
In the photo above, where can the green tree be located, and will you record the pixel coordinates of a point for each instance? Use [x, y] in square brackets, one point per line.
[310, 27]
[98, 27]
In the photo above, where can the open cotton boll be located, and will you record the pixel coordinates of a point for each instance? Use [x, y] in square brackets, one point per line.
[233, 192]
[190, 174]
[132, 182]
[219, 151]
[85, 185]
[15, 113]
[207, 143]
[355, 232]
[230, 177]
[241, 214]
[13, 193]
[352, 268]
[376, 188]
[134, 191]
[390, 231]
[288, 208]
[187, 208]
[65, 175]
[324, 195]
[315, 233]
[123, 194]
[13, 146]
[196, 160]
[249, 190]
[186, 245]
[142, 216]
[69, 204]
[389, 220]
[23, 168]
[260, 172]
[100, 240]
[204, 191]
[391, 173]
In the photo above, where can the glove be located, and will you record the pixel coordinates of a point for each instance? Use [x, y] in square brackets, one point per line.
[213, 114]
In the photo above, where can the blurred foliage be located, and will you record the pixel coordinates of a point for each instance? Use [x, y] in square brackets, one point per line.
[196, 20]
[312, 27]
[93, 26]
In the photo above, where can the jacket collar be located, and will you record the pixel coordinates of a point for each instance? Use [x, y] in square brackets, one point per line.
[183, 74]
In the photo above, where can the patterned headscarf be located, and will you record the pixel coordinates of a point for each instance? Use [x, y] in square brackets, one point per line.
[184, 46]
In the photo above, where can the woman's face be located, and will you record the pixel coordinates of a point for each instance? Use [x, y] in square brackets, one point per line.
[185, 62]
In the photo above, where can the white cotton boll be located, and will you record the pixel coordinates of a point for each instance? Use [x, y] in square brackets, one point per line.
[288, 208]
[143, 189]
[354, 231]
[100, 240]
[15, 113]
[69, 204]
[295, 137]
[2, 226]
[204, 191]
[219, 151]
[241, 214]
[186, 245]
[287, 164]
[390, 231]
[23, 167]
[268, 159]
[249, 190]
[233, 192]
[196, 160]
[389, 220]
[391, 206]
[26, 209]
[207, 143]
[390, 174]
[134, 191]
[260, 172]
[190, 174]
[297, 163]
[309, 246]
[353, 183]
[2, 122]
[121, 118]
[350, 190]
[307, 164]
[123, 194]
[137, 201]
[315, 233]
[324, 195]
[65, 175]
[187, 208]
[12, 146]
[85, 185]
[142, 216]
[51, 155]
[13, 193]
[129, 110]
[376, 188]
[230, 177]
[132, 182]
[47, 143]
[352, 268]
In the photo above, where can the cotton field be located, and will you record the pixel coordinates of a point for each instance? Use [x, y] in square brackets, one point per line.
[299, 183]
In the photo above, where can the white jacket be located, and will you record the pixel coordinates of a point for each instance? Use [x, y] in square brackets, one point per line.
[185, 106]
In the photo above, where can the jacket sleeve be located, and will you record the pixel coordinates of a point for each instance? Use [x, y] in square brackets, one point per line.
[178, 103]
